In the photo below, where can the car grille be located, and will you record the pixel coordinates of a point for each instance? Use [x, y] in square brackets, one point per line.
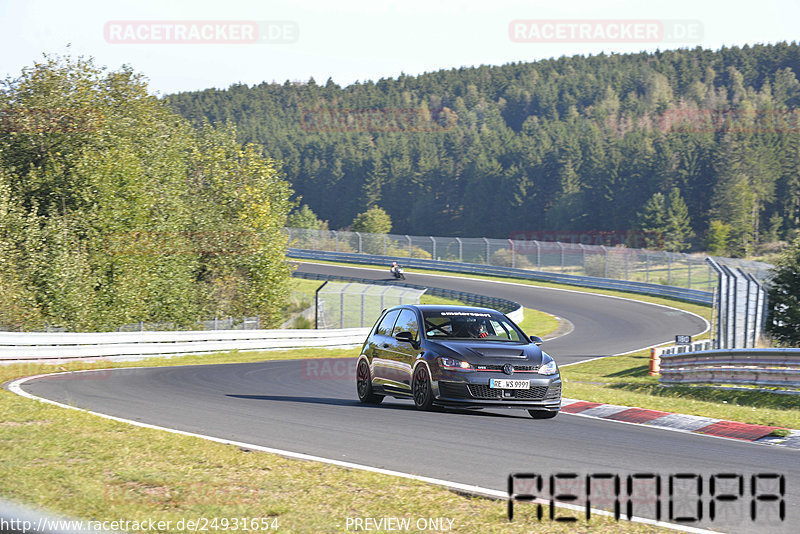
[485, 392]
[517, 368]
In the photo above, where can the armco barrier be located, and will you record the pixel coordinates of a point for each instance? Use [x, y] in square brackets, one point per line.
[29, 346]
[689, 295]
[679, 349]
[753, 367]
[512, 309]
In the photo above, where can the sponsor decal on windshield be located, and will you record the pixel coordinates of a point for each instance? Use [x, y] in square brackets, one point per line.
[465, 314]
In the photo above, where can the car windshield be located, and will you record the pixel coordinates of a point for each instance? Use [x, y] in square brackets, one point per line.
[479, 326]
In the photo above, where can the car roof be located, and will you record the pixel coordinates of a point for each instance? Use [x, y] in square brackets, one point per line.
[440, 307]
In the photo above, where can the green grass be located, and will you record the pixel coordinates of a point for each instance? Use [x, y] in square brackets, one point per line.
[625, 380]
[82, 466]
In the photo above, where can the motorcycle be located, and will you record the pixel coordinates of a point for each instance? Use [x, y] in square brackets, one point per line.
[397, 272]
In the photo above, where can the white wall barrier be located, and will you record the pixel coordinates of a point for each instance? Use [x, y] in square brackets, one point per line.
[57, 347]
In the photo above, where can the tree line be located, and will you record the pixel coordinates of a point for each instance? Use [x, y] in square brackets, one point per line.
[115, 210]
[698, 146]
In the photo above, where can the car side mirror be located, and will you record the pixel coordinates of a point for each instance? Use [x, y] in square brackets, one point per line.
[406, 337]
[536, 340]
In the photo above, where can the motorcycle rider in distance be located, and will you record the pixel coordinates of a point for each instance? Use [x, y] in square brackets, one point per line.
[397, 271]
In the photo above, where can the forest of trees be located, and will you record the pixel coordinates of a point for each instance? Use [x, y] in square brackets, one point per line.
[114, 210]
[699, 146]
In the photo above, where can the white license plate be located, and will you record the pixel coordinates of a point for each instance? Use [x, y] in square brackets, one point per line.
[504, 383]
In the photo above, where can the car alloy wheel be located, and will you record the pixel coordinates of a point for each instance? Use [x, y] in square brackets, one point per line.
[422, 389]
[364, 384]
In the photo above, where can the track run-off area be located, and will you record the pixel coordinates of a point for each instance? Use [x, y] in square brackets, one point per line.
[310, 407]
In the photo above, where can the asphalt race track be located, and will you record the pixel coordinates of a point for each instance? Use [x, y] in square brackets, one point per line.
[310, 406]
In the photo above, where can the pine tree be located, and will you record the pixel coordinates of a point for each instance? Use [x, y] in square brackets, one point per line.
[716, 238]
[304, 217]
[783, 322]
[652, 220]
[677, 225]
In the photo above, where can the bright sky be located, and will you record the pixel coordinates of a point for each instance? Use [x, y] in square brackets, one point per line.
[351, 40]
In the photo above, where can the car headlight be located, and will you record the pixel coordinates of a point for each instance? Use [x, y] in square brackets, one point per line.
[548, 366]
[455, 365]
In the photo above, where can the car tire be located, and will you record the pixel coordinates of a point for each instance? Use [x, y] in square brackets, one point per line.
[543, 414]
[364, 385]
[422, 389]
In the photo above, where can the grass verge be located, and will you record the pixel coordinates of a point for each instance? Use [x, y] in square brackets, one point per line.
[82, 466]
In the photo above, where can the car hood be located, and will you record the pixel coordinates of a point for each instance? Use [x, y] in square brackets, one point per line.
[486, 352]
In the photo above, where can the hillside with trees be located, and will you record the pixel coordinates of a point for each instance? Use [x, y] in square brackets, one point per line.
[114, 210]
[698, 146]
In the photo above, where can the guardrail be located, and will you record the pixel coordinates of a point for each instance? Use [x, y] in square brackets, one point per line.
[58, 347]
[680, 349]
[509, 307]
[753, 367]
[689, 295]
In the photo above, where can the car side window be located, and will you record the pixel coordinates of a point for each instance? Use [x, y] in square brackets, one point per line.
[407, 322]
[385, 328]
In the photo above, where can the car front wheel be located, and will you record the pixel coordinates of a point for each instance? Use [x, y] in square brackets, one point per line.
[422, 389]
[364, 385]
[542, 414]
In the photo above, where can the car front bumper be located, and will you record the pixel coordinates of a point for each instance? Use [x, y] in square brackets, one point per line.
[474, 392]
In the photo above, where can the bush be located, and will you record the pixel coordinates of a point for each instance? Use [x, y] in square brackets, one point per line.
[602, 266]
[504, 258]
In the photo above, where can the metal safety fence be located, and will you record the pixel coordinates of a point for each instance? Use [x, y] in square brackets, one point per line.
[740, 309]
[690, 295]
[512, 309]
[568, 258]
[341, 304]
[752, 367]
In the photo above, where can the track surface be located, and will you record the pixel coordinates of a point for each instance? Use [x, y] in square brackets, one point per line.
[310, 407]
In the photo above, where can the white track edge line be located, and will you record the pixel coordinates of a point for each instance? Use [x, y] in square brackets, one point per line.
[16, 387]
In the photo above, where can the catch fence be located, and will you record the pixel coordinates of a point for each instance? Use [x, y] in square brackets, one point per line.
[357, 305]
[578, 259]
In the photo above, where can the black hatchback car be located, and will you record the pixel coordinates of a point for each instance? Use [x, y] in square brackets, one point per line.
[457, 356]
